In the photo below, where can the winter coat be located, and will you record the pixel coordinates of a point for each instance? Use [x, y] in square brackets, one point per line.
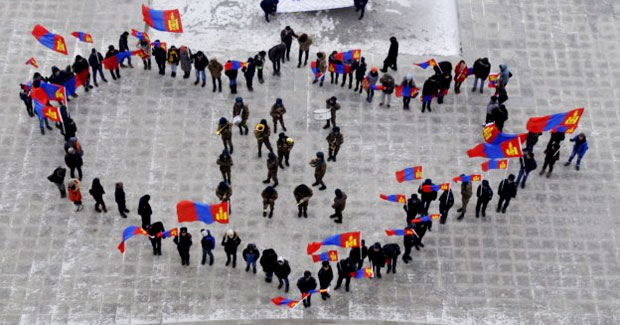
[358, 253]
[75, 195]
[144, 208]
[119, 196]
[58, 176]
[160, 54]
[268, 260]
[155, 228]
[287, 36]
[391, 250]
[413, 208]
[484, 193]
[94, 60]
[345, 268]
[269, 6]
[482, 68]
[207, 242]
[185, 57]
[215, 68]
[223, 193]
[200, 61]
[270, 196]
[460, 71]
[340, 203]
[552, 153]
[80, 65]
[277, 52]
[376, 257]
[302, 191]
[231, 244]
[392, 52]
[97, 192]
[73, 160]
[431, 86]
[528, 164]
[372, 78]
[184, 242]
[304, 285]
[446, 200]
[427, 196]
[231, 74]
[122, 43]
[580, 147]
[173, 56]
[507, 189]
[445, 79]
[282, 271]
[321, 63]
[325, 276]
[388, 82]
[249, 70]
[504, 75]
[251, 254]
[242, 110]
[360, 72]
[466, 190]
[305, 46]
[320, 169]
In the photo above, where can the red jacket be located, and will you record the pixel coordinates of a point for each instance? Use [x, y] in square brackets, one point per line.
[460, 73]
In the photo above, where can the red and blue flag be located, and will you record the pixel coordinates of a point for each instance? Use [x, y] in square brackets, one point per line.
[47, 111]
[72, 84]
[160, 44]
[405, 91]
[430, 217]
[427, 188]
[565, 122]
[342, 68]
[494, 164]
[233, 65]
[362, 273]
[48, 91]
[506, 149]
[317, 74]
[32, 62]
[398, 198]
[409, 174]
[281, 301]
[189, 211]
[429, 63]
[493, 80]
[492, 135]
[163, 20]
[401, 232]
[170, 233]
[143, 36]
[114, 61]
[130, 232]
[84, 37]
[376, 87]
[52, 41]
[331, 256]
[349, 55]
[346, 239]
[468, 178]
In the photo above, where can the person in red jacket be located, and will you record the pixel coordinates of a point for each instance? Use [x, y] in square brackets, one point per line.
[75, 195]
[460, 74]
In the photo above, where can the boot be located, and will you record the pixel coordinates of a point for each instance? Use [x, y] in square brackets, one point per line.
[461, 216]
[196, 82]
[322, 187]
[305, 214]
[204, 83]
[270, 214]
[326, 125]
[548, 174]
[299, 214]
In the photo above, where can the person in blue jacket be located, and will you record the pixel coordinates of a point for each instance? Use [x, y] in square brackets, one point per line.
[580, 148]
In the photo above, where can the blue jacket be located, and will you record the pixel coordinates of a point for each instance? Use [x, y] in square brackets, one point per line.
[579, 149]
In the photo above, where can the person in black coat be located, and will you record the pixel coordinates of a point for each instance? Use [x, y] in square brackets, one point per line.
[528, 164]
[144, 210]
[208, 245]
[360, 5]
[332, 61]
[345, 268]
[230, 242]
[200, 64]
[58, 178]
[269, 7]
[325, 275]
[445, 79]
[250, 255]
[499, 116]
[482, 68]
[446, 201]
[506, 191]
[116, 73]
[408, 242]
[97, 192]
[413, 207]
[305, 284]
[232, 79]
[184, 242]
[357, 255]
[286, 36]
[391, 252]
[276, 54]
[248, 73]
[428, 195]
[282, 271]
[360, 73]
[430, 90]
[24, 95]
[377, 258]
[68, 128]
[484, 194]
[390, 60]
[268, 263]
[94, 60]
[552, 154]
[123, 46]
[80, 65]
[420, 228]
[160, 57]
[119, 197]
[74, 161]
[531, 141]
[154, 231]
[259, 61]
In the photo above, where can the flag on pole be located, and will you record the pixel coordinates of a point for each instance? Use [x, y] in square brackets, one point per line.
[494, 164]
[143, 36]
[397, 198]
[189, 211]
[32, 62]
[507, 149]
[52, 41]
[426, 64]
[163, 20]
[409, 174]
[84, 37]
[565, 122]
[362, 273]
[347, 239]
[170, 233]
[128, 233]
[468, 178]
[331, 256]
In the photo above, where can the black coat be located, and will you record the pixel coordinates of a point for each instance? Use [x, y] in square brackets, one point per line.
[306, 285]
[376, 257]
[358, 253]
[122, 43]
[268, 6]
[268, 260]
[391, 250]
[392, 52]
[413, 208]
[249, 71]
[345, 268]
[482, 69]
[277, 52]
[360, 72]
[232, 73]
[119, 196]
[144, 210]
[446, 200]
[251, 254]
[507, 189]
[200, 64]
[58, 176]
[97, 192]
[160, 55]
[422, 227]
[231, 244]
[70, 129]
[431, 86]
[73, 161]
[325, 276]
[282, 271]
[155, 228]
[427, 196]
[94, 60]
[484, 193]
[183, 242]
[528, 164]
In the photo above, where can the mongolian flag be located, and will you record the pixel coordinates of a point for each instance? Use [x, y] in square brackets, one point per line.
[409, 174]
[563, 122]
[470, 71]
[113, 62]
[313, 291]
[163, 20]
[84, 37]
[426, 64]
[435, 187]
[47, 111]
[347, 240]
[52, 41]
[141, 53]
[143, 36]
[281, 301]
[331, 67]
[401, 232]
[507, 149]
[398, 198]
[170, 233]
[233, 65]
[342, 68]
[160, 44]
[406, 91]
[426, 218]
[493, 80]
[363, 273]
[32, 62]
[130, 232]
[468, 178]
[349, 55]
[492, 135]
[188, 211]
[495, 164]
[72, 84]
[48, 91]
[317, 74]
[331, 256]
[426, 98]
[376, 87]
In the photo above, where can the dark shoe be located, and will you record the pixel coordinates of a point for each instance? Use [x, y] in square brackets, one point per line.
[567, 163]
[264, 213]
[196, 82]
[461, 216]
[266, 181]
[326, 126]
[322, 188]
[338, 221]
[577, 167]
[383, 70]
[305, 215]
[227, 263]
[270, 214]
[48, 127]
[247, 268]
[477, 215]
[299, 214]
[473, 90]
[315, 184]
[459, 210]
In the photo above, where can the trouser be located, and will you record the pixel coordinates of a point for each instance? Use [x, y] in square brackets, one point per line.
[305, 60]
[358, 84]
[243, 125]
[505, 201]
[79, 169]
[572, 155]
[331, 77]
[122, 209]
[319, 180]
[275, 124]
[384, 95]
[444, 215]
[333, 152]
[324, 295]
[346, 283]
[268, 276]
[481, 83]
[389, 64]
[61, 188]
[260, 74]
[267, 145]
[161, 66]
[205, 253]
[406, 101]
[406, 255]
[425, 205]
[128, 61]
[344, 79]
[232, 83]
[226, 174]
[392, 264]
[100, 70]
[303, 208]
[369, 94]
[464, 203]
[331, 120]
[156, 243]
[283, 281]
[43, 120]
[219, 83]
[481, 206]
[362, 9]
[276, 67]
[269, 204]
[116, 73]
[288, 52]
[457, 87]
[248, 82]
[233, 257]
[548, 164]
[522, 177]
[251, 264]
[147, 64]
[357, 264]
[337, 215]
[228, 144]
[377, 270]
[183, 253]
[307, 301]
[201, 74]
[100, 203]
[426, 103]
[283, 155]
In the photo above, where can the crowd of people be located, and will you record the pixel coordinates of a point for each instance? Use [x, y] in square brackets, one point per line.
[416, 207]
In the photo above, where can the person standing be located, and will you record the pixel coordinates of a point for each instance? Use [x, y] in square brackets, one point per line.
[277, 114]
[484, 194]
[75, 195]
[94, 60]
[428, 195]
[500, 115]
[552, 154]
[282, 271]
[390, 60]
[215, 69]
[272, 170]
[360, 5]
[160, 57]
[506, 191]
[413, 207]
[284, 146]
[461, 71]
[224, 129]
[74, 162]
[286, 36]
[360, 73]
[230, 242]
[334, 141]
[269, 7]
[200, 64]
[185, 58]
[277, 54]
[446, 201]
[340, 202]
[43, 120]
[248, 73]
[119, 198]
[146, 55]
[242, 110]
[123, 46]
[268, 263]
[504, 77]
[408, 82]
[144, 210]
[371, 81]
[320, 167]
[97, 192]
[579, 149]
[388, 88]
[333, 106]
[81, 65]
[325, 275]
[357, 255]
[24, 95]
[183, 242]
[491, 107]
[332, 62]
[302, 195]
[58, 178]
[250, 256]
[444, 72]
[528, 164]
[262, 133]
[408, 242]
[208, 245]
[466, 193]
[269, 195]
[321, 66]
[531, 141]
[225, 162]
[345, 268]
[482, 68]
[429, 91]
[305, 284]
[154, 230]
[304, 47]
[420, 229]
[259, 61]
[223, 192]
[376, 256]
[391, 251]
[232, 78]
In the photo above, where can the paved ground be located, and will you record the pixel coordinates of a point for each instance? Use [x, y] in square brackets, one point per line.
[552, 259]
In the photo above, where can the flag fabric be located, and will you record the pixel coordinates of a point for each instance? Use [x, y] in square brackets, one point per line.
[48, 91]
[160, 44]
[406, 91]
[47, 111]
[426, 188]
[317, 74]
[428, 63]
[468, 178]
[141, 53]
[233, 65]
[313, 291]
[349, 55]
[376, 87]
[74, 82]
[492, 135]
[563, 122]
[506, 149]
[52, 41]
[163, 20]
[113, 62]
[426, 98]
[430, 217]
[189, 211]
[170, 233]
[84, 37]
[401, 232]
[342, 68]
[281, 301]
[398, 198]
[493, 80]
[362, 273]
[470, 71]
[409, 174]
[32, 62]
[130, 232]
[494, 164]
[143, 36]
[346, 239]
[331, 256]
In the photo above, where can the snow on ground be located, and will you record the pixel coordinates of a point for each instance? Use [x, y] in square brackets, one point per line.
[422, 27]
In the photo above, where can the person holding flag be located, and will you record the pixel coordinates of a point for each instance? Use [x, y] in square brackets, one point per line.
[370, 82]
[429, 91]
[145, 46]
[484, 194]
[154, 231]
[124, 46]
[345, 268]
[95, 61]
[446, 201]
[461, 72]
[466, 193]
[410, 84]
[24, 95]
[506, 191]
[377, 258]
[408, 242]
[360, 73]
[114, 71]
[305, 284]
[528, 164]
[183, 242]
[391, 251]
[325, 275]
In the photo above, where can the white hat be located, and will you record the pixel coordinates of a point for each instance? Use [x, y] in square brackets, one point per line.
[230, 232]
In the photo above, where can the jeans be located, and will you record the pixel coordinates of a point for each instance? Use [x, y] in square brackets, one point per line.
[370, 93]
[250, 264]
[572, 155]
[100, 70]
[481, 82]
[206, 252]
[156, 243]
[389, 98]
[47, 124]
[173, 68]
[505, 201]
[523, 174]
[232, 256]
[285, 282]
[128, 61]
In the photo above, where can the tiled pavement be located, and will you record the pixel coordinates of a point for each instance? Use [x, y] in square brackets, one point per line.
[552, 259]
